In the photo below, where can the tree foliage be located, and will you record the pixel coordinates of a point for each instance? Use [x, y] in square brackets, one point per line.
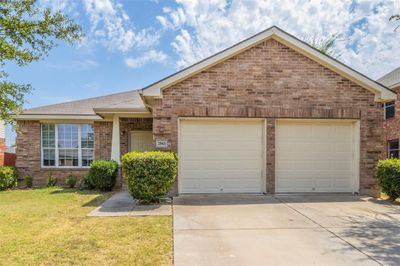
[397, 18]
[27, 34]
[325, 46]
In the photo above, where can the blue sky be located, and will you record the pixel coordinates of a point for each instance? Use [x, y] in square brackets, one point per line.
[130, 44]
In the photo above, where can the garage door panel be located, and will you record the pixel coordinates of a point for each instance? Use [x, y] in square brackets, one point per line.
[220, 156]
[314, 156]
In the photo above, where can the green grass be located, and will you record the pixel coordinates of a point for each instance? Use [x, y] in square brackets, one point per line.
[50, 227]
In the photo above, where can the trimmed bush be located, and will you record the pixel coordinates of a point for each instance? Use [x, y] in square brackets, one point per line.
[388, 173]
[85, 183]
[28, 181]
[8, 177]
[150, 175]
[71, 181]
[51, 180]
[103, 174]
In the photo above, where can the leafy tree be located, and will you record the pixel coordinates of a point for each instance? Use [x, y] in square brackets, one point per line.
[397, 18]
[325, 46]
[27, 34]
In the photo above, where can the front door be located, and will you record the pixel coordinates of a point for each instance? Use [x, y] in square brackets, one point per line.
[141, 141]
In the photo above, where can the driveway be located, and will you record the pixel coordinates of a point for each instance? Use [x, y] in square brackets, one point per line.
[285, 230]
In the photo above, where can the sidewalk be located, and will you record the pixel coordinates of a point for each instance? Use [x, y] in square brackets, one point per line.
[122, 204]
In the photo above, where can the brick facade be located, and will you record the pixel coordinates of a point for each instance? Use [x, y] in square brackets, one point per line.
[273, 81]
[391, 126]
[29, 159]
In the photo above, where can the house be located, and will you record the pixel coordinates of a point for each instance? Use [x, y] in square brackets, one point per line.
[391, 124]
[7, 154]
[269, 114]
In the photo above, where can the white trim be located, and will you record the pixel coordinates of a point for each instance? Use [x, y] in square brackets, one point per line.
[115, 141]
[263, 174]
[381, 92]
[56, 117]
[56, 163]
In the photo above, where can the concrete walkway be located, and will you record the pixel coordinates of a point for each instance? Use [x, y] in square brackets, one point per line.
[285, 230]
[122, 204]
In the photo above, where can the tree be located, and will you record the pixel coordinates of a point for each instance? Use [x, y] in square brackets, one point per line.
[27, 34]
[397, 18]
[325, 46]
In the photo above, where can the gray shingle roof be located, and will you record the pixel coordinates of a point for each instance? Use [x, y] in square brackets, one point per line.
[392, 79]
[122, 100]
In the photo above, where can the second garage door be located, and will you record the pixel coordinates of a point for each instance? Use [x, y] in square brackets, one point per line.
[316, 156]
[221, 156]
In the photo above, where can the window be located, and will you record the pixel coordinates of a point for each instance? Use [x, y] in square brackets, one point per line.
[393, 148]
[67, 145]
[389, 110]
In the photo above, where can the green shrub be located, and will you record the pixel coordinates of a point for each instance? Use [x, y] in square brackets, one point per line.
[103, 174]
[51, 180]
[85, 183]
[8, 177]
[71, 181]
[150, 175]
[28, 181]
[388, 173]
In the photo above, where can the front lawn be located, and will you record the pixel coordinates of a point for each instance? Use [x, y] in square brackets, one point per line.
[50, 227]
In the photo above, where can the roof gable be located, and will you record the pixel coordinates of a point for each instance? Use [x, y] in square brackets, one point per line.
[391, 79]
[381, 92]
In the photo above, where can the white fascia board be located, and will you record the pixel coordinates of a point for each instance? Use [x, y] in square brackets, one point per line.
[56, 117]
[154, 90]
[381, 92]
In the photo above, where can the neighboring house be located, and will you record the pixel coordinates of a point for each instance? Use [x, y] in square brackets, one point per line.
[392, 114]
[269, 114]
[7, 154]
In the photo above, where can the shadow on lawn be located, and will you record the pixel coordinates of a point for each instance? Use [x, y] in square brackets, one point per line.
[95, 202]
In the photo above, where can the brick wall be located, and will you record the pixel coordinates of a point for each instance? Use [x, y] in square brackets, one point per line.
[102, 140]
[272, 81]
[29, 152]
[129, 124]
[391, 126]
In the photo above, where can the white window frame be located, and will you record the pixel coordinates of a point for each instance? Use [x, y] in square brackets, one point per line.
[389, 149]
[56, 146]
[386, 105]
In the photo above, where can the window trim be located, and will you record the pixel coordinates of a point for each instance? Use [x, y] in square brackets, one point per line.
[385, 105]
[388, 148]
[56, 165]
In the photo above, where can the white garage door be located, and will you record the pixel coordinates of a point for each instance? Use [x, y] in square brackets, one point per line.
[316, 157]
[221, 156]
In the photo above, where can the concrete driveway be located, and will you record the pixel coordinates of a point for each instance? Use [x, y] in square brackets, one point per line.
[285, 230]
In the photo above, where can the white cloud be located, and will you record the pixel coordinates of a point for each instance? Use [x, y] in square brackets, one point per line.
[367, 41]
[112, 26]
[151, 56]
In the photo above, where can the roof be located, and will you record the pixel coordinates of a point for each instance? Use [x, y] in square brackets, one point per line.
[381, 92]
[391, 79]
[88, 108]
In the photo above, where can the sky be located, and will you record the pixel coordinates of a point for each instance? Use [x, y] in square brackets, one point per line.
[129, 44]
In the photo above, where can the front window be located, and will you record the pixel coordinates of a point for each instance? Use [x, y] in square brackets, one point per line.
[67, 145]
[393, 148]
[389, 110]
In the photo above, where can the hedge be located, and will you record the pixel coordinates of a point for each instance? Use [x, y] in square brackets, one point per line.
[103, 174]
[8, 177]
[388, 173]
[150, 175]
